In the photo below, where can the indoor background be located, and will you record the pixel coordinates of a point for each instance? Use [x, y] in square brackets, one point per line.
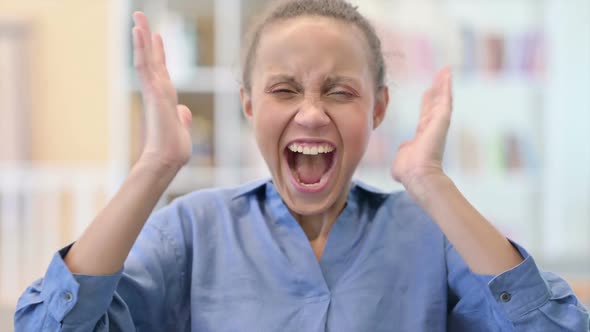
[71, 117]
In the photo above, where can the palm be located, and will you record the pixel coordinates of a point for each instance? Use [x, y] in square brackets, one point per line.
[167, 123]
[423, 154]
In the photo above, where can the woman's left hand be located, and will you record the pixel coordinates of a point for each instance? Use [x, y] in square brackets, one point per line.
[421, 157]
[418, 166]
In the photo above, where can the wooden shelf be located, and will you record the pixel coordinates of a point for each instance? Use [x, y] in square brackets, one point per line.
[199, 80]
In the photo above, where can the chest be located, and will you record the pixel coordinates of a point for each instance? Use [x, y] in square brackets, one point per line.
[285, 288]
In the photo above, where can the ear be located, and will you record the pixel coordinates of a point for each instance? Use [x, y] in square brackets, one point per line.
[246, 101]
[381, 102]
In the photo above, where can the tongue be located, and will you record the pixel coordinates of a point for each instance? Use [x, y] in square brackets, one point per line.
[310, 168]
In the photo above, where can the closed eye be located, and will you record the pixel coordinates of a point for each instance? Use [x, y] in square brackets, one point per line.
[341, 96]
[284, 94]
[283, 91]
[342, 93]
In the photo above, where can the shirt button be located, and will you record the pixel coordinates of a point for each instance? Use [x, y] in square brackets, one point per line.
[505, 297]
[68, 296]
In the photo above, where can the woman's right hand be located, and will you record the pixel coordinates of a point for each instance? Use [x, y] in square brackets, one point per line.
[167, 148]
[168, 142]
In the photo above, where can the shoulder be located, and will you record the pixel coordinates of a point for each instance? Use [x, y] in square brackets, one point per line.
[397, 208]
[220, 195]
[398, 203]
[184, 213]
[398, 223]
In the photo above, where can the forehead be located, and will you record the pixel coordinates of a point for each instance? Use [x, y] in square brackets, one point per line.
[309, 45]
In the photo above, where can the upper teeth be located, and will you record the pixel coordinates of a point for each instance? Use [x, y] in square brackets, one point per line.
[313, 150]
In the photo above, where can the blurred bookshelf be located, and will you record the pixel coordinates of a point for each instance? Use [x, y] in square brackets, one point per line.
[505, 149]
[501, 147]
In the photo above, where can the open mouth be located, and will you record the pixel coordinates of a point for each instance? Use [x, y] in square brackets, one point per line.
[310, 164]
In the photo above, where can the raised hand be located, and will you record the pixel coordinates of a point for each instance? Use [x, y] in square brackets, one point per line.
[418, 166]
[168, 146]
[422, 155]
[168, 141]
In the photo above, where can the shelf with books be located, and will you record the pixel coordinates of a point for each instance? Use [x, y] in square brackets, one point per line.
[188, 29]
[249, 12]
[201, 40]
[470, 151]
[499, 102]
[498, 64]
[419, 37]
[199, 79]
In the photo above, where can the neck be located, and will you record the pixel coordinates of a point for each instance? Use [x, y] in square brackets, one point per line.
[317, 226]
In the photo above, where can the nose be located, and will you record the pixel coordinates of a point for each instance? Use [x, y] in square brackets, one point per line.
[311, 115]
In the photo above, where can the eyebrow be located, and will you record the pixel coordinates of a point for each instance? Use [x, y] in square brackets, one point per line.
[331, 80]
[341, 79]
[283, 78]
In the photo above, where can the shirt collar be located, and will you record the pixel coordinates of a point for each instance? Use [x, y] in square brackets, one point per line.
[282, 213]
[369, 188]
[265, 183]
[251, 187]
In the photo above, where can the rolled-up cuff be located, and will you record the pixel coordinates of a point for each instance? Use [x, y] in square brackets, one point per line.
[520, 289]
[76, 297]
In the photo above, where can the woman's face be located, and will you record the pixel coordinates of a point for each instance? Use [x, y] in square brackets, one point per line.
[313, 106]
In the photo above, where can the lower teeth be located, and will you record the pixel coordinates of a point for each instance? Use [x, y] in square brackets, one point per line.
[306, 184]
[309, 184]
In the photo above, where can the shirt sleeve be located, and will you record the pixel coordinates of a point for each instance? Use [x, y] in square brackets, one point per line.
[520, 299]
[145, 295]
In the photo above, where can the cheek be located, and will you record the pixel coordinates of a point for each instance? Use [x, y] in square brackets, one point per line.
[356, 141]
[355, 130]
[269, 123]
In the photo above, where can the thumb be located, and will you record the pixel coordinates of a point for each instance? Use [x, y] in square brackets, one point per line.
[184, 115]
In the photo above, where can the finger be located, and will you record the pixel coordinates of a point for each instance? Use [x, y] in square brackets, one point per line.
[438, 85]
[427, 102]
[442, 103]
[430, 97]
[444, 107]
[141, 22]
[449, 91]
[140, 60]
[159, 56]
[184, 115]
[441, 99]
[423, 123]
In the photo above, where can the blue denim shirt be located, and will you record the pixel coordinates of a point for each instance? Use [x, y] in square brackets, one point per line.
[236, 260]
